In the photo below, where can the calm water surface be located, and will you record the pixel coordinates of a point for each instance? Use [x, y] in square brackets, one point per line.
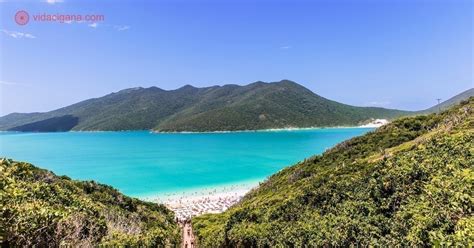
[144, 163]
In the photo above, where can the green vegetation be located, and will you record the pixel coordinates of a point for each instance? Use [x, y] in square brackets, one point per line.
[41, 209]
[230, 107]
[409, 183]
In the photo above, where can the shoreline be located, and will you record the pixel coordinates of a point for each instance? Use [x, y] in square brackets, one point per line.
[201, 191]
[289, 129]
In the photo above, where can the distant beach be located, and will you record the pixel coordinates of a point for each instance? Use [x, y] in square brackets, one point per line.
[379, 123]
[214, 199]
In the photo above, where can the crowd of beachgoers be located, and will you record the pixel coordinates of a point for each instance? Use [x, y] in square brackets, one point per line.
[187, 208]
[212, 200]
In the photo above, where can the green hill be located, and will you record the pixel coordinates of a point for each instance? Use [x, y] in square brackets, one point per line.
[40, 209]
[409, 183]
[230, 107]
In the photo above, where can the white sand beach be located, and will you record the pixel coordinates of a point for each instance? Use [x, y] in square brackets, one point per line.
[375, 123]
[209, 200]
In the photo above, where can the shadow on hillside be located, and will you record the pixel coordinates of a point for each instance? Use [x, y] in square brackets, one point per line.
[55, 124]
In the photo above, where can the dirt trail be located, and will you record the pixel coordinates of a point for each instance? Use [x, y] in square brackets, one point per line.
[188, 236]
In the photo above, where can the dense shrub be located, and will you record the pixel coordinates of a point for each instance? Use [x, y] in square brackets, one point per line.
[41, 209]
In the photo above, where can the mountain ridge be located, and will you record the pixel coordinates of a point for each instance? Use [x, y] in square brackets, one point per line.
[230, 107]
[450, 102]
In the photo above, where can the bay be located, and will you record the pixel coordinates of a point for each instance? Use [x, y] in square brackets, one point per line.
[143, 164]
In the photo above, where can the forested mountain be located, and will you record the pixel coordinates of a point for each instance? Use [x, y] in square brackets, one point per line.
[40, 209]
[408, 183]
[230, 107]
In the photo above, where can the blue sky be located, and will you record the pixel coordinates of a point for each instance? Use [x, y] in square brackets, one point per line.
[395, 54]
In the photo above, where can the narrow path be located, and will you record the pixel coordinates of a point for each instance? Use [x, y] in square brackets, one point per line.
[188, 236]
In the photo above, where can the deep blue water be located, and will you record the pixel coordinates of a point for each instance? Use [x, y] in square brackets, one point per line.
[144, 163]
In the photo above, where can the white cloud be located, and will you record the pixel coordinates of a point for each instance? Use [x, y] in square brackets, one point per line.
[10, 83]
[102, 25]
[18, 35]
[285, 47]
[378, 103]
[121, 28]
[7, 83]
[76, 22]
[54, 1]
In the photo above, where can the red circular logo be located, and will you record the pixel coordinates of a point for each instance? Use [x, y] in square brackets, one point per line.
[22, 17]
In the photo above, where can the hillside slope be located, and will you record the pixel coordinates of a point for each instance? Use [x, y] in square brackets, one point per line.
[41, 209]
[230, 107]
[451, 101]
[408, 183]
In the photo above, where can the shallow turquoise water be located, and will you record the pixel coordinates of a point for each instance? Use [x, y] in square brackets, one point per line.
[144, 163]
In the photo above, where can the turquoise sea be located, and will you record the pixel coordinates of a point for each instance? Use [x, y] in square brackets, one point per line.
[141, 163]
